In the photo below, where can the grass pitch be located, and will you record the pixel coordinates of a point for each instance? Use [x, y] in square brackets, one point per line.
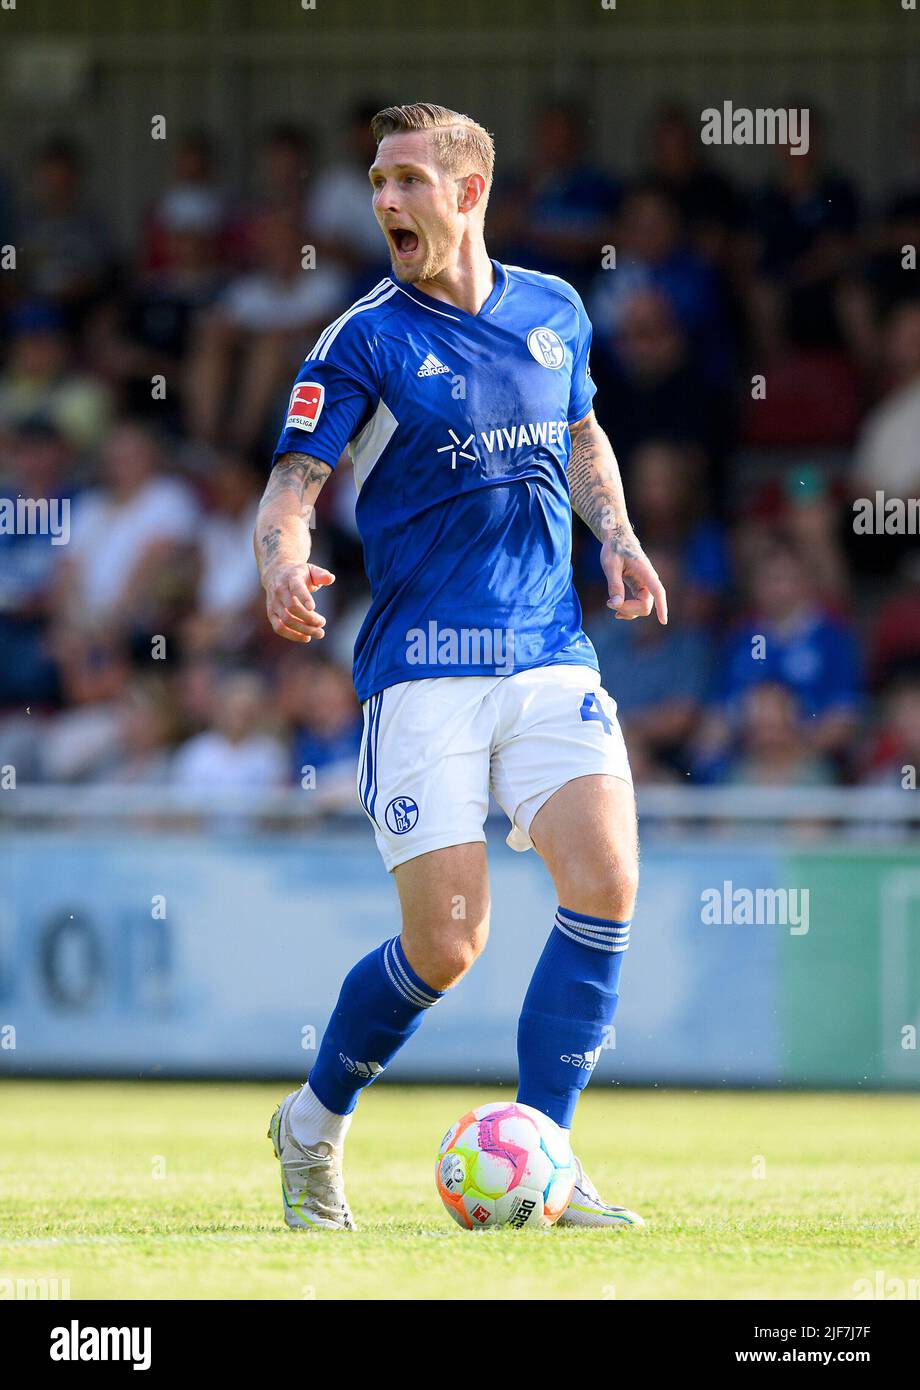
[159, 1190]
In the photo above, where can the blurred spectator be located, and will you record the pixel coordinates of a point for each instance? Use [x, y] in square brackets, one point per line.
[888, 455]
[652, 389]
[194, 201]
[652, 253]
[253, 338]
[811, 397]
[8, 218]
[555, 215]
[708, 201]
[284, 162]
[229, 599]
[65, 248]
[895, 759]
[149, 333]
[41, 380]
[142, 749]
[9, 234]
[791, 640]
[885, 279]
[805, 222]
[802, 319]
[895, 638]
[804, 504]
[318, 702]
[235, 754]
[668, 508]
[80, 744]
[657, 675]
[39, 470]
[195, 687]
[771, 748]
[287, 159]
[128, 537]
[339, 213]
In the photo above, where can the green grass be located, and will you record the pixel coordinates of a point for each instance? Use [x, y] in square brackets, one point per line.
[80, 1198]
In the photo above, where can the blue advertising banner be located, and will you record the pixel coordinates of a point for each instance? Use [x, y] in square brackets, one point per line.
[192, 954]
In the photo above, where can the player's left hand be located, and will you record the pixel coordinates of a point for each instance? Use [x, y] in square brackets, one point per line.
[624, 562]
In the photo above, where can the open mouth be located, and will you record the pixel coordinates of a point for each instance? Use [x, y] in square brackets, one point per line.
[404, 241]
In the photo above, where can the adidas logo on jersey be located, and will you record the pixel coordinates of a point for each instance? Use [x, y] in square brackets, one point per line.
[432, 367]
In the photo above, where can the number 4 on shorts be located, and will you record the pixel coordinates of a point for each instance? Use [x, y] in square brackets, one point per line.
[591, 708]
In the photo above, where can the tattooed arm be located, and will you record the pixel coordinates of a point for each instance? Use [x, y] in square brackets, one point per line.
[282, 545]
[597, 496]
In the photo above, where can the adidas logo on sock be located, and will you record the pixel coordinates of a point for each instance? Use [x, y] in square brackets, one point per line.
[432, 367]
[585, 1061]
[360, 1069]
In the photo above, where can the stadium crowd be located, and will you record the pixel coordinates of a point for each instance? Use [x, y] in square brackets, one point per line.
[757, 356]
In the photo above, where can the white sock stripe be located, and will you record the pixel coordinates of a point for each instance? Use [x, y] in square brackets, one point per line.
[579, 924]
[398, 986]
[601, 933]
[401, 980]
[409, 988]
[595, 943]
[589, 940]
[599, 941]
[404, 975]
[394, 979]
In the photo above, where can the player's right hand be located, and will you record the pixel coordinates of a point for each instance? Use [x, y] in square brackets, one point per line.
[289, 601]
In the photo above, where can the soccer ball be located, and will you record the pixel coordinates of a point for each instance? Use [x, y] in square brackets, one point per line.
[505, 1164]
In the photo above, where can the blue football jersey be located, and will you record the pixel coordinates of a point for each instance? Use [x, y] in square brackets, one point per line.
[457, 426]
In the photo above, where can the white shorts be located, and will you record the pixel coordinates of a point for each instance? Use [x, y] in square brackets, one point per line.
[434, 749]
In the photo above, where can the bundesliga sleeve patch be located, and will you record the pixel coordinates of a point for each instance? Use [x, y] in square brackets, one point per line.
[305, 406]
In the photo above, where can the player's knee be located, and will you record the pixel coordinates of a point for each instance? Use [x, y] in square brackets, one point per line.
[446, 954]
[464, 947]
[606, 890]
[468, 948]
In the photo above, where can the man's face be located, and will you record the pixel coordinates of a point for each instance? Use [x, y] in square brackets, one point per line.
[650, 340]
[778, 586]
[416, 204]
[129, 459]
[650, 227]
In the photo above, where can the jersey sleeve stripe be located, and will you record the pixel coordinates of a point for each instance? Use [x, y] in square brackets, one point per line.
[359, 309]
[329, 334]
[365, 298]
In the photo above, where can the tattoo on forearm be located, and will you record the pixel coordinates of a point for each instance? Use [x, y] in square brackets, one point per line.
[596, 490]
[270, 543]
[294, 473]
[622, 541]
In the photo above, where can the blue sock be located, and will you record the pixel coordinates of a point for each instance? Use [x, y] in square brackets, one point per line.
[382, 1002]
[569, 1005]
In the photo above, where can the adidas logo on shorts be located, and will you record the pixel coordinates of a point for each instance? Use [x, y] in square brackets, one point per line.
[432, 367]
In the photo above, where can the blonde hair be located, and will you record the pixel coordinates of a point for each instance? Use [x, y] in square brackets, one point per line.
[462, 145]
